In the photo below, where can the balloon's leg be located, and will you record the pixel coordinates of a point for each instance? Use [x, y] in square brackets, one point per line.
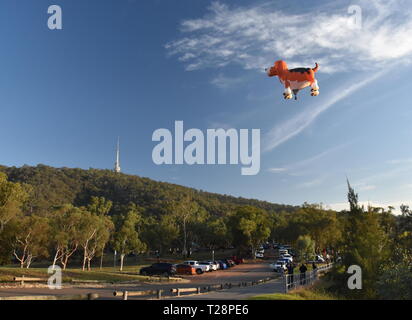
[295, 92]
[315, 89]
[287, 94]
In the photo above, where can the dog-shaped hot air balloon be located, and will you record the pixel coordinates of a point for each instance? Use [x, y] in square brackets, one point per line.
[294, 79]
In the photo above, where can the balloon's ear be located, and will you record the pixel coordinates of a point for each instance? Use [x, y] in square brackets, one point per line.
[272, 71]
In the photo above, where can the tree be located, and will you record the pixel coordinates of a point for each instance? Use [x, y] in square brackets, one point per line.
[321, 225]
[185, 209]
[160, 233]
[99, 206]
[213, 233]
[66, 234]
[305, 247]
[94, 233]
[126, 238]
[12, 197]
[364, 244]
[395, 281]
[31, 239]
[249, 227]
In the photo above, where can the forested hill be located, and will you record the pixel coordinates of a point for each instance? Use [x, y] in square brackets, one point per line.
[57, 186]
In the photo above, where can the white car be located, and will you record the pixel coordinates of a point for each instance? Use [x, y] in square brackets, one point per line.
[319, 259]
[278, 266]
[259, 254]
[212, 266]
[283, 251]
[215, 265]
[197, 265]
[286, 256]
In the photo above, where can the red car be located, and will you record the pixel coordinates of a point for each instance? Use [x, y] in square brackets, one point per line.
[185, 269]
[238, 260]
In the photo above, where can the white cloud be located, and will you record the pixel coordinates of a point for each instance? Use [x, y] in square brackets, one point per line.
[277, 170]
[366, 187]
[400, 161]
[223, 82]
[311, 183]
[294, 169]
[254, 36]
[293, 126]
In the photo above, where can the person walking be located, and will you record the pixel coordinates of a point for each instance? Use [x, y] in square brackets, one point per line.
[291, 270]
[303, 270]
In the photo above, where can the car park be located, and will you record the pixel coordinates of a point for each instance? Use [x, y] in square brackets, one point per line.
[165, 269]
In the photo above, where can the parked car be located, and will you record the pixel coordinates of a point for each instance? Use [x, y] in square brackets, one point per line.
[222, 264]
[212, 266]
[185, 269]
[229, 262]
[200, 268]
[238, 260]
[215, 264]
[166, 269]
[278, 266]
[259, 254]
[286, 261]
[286, 256]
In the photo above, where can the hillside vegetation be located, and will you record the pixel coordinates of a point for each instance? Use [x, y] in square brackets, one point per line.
[58, 186]
[74, 217]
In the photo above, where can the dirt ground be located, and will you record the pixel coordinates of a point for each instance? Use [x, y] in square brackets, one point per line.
[252, 271]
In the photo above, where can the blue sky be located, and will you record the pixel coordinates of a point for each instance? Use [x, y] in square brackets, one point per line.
[126, 68]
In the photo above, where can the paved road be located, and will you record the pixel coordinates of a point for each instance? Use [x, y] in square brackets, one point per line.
[243, 293]
[243, 272]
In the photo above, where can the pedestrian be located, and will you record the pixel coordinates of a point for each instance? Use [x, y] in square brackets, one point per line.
[291, 270]
[303, 270]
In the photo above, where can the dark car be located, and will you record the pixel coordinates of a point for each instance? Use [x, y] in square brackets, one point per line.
[229, 262]
[166, 269]
[222, 265]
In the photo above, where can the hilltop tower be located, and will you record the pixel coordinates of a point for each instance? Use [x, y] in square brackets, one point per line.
[117, 163]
